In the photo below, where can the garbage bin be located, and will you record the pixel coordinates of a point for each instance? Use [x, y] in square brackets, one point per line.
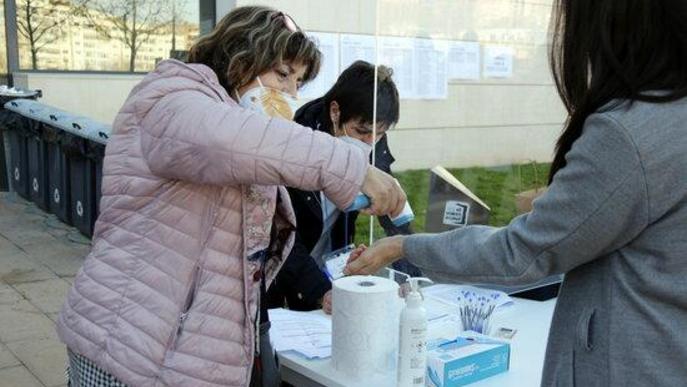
[97, 134]
[17, 160]
[26, 166]
[58, 162]
[81, 178]
[37, 153]
[8, 122]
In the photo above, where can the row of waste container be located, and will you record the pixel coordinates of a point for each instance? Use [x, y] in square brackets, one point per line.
[55, 159]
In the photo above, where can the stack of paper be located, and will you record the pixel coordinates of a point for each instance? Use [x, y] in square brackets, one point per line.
[308, 333]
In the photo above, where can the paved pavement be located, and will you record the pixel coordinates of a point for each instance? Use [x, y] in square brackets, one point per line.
[39, 257]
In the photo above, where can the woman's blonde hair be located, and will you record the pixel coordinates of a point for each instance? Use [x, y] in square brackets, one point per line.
[249, 41]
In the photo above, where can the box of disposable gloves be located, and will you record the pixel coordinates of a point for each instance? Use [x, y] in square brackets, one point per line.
[468, 358]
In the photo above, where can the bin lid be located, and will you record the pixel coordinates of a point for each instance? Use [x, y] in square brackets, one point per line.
[85, 127]
[27, 107]
[56, 118]
[7, 91]
[91, 129]
[44, 113]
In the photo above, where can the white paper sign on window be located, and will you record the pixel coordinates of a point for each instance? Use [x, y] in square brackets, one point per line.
[431, 78]
[456, 213]
[398, 53]
[357, 47]
[463, 60]
[329, 69]
[498, 61]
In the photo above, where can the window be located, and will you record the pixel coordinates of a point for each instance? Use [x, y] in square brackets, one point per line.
[3, 47]
[476, 95]
[66, 25]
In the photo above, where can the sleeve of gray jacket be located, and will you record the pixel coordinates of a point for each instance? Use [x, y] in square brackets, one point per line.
[595, 205]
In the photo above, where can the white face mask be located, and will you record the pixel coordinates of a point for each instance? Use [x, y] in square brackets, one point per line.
[354, 141]
[365, 146]
[269, 101]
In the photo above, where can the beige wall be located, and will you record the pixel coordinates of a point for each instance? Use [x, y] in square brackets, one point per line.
[98, 96]
[485, 122]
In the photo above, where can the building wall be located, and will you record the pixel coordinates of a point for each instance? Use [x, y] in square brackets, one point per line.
[484, 122]
[98, 96]
[79, 46]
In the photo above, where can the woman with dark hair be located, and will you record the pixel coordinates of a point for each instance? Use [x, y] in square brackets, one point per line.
[195, 222]
[615, 216]
[345, 111]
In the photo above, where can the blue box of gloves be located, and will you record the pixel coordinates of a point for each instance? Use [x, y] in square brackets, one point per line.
[467, 359]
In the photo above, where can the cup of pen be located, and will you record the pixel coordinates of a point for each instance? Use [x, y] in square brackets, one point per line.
[476, 310]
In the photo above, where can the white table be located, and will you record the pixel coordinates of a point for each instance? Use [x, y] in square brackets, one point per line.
[531, 319]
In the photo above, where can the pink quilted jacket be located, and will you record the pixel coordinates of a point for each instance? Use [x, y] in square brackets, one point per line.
[192, 204]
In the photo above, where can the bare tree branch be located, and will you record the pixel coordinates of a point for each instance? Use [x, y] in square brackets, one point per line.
[38, 34]
[129, 21]
[23, 28]
[39, 25]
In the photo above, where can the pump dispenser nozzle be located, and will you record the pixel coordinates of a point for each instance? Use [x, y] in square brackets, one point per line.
[414, 298]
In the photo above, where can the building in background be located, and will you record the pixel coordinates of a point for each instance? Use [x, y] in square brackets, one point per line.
[62, 35]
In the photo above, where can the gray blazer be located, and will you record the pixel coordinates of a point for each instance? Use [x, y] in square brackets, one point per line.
[615, 220]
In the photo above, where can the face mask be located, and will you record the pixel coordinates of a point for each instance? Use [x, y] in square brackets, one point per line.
[354, 141]
[367, 148]
[269, 101]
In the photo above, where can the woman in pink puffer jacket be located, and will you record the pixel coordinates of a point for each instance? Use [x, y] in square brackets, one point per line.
[194, 216]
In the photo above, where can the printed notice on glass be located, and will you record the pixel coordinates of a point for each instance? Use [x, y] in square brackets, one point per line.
[398, 53]
[357, 47]
[431, 78]
[329, 70]
[463, 60]
[456, 213]
[498, 62]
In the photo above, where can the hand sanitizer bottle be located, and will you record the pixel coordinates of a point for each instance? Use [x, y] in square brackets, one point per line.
[412, 354]
[362, 201]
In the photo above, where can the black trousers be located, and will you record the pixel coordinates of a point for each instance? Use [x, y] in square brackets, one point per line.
[265, 367]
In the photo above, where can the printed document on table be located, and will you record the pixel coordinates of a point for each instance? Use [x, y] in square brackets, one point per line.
[308, 333]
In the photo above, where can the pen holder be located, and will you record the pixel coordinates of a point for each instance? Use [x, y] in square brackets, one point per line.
[476, 311]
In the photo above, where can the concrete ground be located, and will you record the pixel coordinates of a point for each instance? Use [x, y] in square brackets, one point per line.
[39, 257]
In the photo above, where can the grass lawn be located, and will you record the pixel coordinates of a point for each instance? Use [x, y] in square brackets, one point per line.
[496, 186]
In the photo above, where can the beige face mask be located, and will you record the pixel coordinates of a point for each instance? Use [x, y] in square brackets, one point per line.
[269, 101]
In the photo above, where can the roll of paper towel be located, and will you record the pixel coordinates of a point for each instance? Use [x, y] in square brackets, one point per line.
[365, 319]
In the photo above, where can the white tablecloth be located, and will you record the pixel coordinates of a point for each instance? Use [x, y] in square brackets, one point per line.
[531, 319]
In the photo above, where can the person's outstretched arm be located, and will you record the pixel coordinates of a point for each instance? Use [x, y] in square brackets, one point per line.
[189, 136]
[597, 204]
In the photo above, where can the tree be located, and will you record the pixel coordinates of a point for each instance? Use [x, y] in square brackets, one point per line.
[130, 21]
[175, 12]
[40, 24]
